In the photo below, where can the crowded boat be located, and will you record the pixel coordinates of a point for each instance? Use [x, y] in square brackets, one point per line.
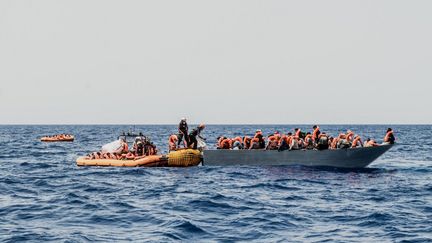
[300, 140]
[58, 138]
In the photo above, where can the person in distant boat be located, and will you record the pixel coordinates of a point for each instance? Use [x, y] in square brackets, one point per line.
[357, 142]
[172, 142]
[371, 143]
[192, 141]
[183, 132]
[315, 134]
[389, 137]
[323, 141]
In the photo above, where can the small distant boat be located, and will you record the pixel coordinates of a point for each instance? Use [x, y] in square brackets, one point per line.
[341, 158]
[58, 138]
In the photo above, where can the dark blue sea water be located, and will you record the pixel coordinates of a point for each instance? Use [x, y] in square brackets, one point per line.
[44, 196]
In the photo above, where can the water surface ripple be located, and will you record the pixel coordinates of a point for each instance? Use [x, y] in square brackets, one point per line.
[44, 196]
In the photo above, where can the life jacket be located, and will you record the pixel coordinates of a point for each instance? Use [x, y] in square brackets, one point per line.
[226, 144]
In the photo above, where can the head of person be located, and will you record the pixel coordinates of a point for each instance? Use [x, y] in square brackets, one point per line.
[296, 129]
[368, 139]
[289, 134]
[258, 131]
[308, 133]
[183, 119]
[389, 129]
[315, 126]
[201, 126]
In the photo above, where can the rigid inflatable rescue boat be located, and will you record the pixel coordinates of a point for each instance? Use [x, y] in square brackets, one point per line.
[180, 158]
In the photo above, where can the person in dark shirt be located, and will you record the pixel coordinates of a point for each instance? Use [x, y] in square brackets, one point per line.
[183, 132]
[192, 138]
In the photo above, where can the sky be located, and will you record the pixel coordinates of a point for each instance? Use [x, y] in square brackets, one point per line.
[217, 62]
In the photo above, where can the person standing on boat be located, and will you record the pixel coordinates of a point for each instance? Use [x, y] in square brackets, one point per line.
[389, 137]
[183, 132]
[315, 134]
[192, 141]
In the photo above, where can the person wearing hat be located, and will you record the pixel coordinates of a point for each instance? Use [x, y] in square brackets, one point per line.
[183, 132]
[192, 138]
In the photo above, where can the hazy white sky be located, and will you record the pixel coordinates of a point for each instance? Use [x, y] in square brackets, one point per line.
[139, 62]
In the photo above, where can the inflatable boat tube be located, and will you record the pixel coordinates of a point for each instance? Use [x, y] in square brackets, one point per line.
[149, 161]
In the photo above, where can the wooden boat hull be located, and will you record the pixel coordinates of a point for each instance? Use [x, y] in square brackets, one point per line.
[341, 158]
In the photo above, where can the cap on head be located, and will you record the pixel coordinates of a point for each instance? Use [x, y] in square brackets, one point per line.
[183, 118]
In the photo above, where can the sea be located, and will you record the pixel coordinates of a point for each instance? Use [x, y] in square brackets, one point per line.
[45, 196]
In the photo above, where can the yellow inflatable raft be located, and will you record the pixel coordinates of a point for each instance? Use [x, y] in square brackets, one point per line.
[181, 158]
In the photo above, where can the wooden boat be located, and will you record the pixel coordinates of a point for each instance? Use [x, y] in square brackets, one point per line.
[341, 158]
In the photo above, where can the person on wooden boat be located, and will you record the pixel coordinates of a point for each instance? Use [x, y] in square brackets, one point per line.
[308, 141]
[255, 143]
[226, 143]
[172, 142]
[237, 143]
[349, 136]
[371, 143]
[260, 137]
[246, 142]
[389, 137]
[315, 134]
[183, 131]
[357, 142]
[323, 141]
[285, 141]
[294, 145]
[192, 141]
[272, 143]
[342, 141]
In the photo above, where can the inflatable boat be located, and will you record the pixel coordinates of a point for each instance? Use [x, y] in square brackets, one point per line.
[180, 158]
[341, 158]
[57, 139]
